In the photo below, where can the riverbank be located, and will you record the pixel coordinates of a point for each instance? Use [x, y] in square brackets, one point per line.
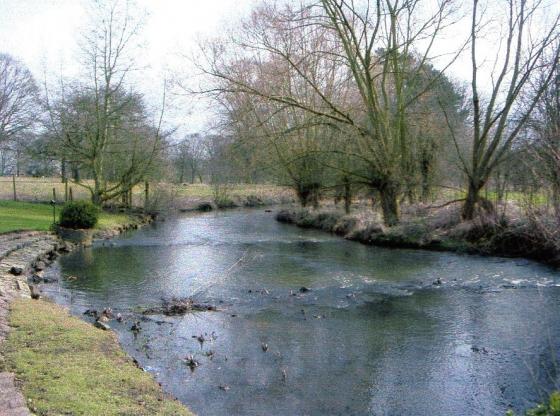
[438, 230]
[66, 366]
[53, 363]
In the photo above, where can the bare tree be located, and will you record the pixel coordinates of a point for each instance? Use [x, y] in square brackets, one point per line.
[188, 157]
[498, 116]
[18, 104]
[101, 124]
[544, 132]
[356, 77]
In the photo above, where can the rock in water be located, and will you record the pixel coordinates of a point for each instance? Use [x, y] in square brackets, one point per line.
[35, 294]
[101, 325]
[16, 271]
[91, 312]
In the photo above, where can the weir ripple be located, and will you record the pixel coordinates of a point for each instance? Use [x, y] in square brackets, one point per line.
[375, 335]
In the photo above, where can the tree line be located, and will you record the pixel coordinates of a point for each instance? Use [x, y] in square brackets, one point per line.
[329, 96]
[345, 93]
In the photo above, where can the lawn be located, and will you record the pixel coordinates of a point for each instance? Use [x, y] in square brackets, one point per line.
[29, 216]
[68, 367]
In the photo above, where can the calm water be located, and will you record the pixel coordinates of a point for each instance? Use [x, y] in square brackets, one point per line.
[373, 336]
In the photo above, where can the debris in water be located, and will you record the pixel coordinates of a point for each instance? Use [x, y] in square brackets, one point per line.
[108, 312]
[136, 327]
[179, 306]
[191, 362]
[304, 289]
[102, 325]
[91, 312]
[223, 387]
[264, 346]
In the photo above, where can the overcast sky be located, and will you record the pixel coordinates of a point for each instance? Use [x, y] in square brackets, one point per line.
[44, 35]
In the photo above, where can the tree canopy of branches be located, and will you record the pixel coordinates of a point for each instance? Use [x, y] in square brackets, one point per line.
[350, 68]
[498, 116]
[102, 125]
[18, 107]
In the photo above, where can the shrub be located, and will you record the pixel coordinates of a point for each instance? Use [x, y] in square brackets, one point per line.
[221, 196]
[79, 214]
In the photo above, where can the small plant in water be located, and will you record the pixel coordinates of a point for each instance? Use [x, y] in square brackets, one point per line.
[550, 408]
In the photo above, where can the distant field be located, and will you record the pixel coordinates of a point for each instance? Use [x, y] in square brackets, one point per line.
[38, 189]
[29, 216]
[41, 190]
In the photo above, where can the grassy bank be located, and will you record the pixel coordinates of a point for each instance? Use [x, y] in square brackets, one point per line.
[67, 366]
[440, 229]
[16, 216]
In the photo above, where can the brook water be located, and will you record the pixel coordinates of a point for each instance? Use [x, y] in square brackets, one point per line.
[375, 334]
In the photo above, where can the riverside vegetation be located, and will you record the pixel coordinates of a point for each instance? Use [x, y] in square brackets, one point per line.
[66, 366]
[424, 227]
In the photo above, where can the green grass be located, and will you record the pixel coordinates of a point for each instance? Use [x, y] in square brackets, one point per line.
[39, 217]
[67, 366]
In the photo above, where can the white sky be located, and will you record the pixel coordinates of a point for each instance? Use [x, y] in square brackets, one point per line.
[44, 35]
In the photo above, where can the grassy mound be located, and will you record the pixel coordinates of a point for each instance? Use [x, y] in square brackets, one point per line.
[67, 366]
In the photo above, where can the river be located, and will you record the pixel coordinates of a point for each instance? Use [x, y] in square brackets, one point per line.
[375, 334]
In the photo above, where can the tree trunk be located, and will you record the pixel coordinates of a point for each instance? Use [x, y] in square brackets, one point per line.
[347, 195]
[426, 183]
[182, 175]
[96, 195]
[556, 198]
[63, 170]
[76, 173]
[473, 196]
[389, 204]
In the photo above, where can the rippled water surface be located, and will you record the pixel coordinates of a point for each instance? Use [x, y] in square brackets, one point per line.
[373, 336]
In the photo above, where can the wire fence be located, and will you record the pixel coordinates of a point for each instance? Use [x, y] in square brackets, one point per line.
[28, 189]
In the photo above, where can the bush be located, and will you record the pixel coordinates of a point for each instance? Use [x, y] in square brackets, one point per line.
[79, 214]
[221, 196]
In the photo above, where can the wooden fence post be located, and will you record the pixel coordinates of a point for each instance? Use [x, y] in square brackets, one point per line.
[54, 195]
[14, 186]
[66, 190]
[70, 194]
